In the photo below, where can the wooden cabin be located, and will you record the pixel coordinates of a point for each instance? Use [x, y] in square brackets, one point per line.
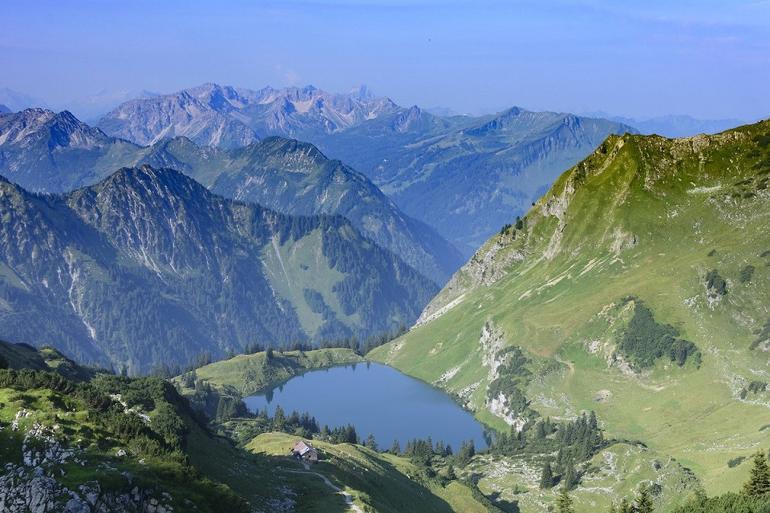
[304, 451]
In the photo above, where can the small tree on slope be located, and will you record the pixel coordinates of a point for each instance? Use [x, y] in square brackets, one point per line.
[546, 478]
[564, 502]
[759, 481]
[644, 502]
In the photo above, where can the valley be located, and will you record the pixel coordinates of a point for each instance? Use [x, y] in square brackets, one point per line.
[287, 300]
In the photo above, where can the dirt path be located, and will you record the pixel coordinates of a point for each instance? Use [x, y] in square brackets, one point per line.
[348, 498]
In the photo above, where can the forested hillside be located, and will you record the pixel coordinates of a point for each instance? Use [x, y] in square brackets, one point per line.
[106, 272]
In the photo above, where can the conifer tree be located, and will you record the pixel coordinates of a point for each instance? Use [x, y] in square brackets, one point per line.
[546, 478]
[564, 502]
[570, 478]
[644, 501]
[450, 473]
[395, 448]
[759, 481]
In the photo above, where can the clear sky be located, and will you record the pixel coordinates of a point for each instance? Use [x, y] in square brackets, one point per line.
[705, 58]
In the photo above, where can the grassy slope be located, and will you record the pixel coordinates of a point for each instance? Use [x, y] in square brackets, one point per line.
[577, 258]
[257, 478]
[384, 482]
[303, 262]
[251, 373]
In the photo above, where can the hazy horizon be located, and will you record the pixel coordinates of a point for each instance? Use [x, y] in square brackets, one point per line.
[642, 60]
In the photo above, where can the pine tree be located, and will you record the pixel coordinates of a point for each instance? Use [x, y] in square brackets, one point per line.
[564, 502]
[279, 418]
[370, 442]
[624, 507]
[570, 478]
[644, 502]
[759, 481]
[546, 478]
[395, 448]
[450, 473]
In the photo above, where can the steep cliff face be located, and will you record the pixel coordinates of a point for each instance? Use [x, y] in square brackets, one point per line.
[641, 278]
[149, 266]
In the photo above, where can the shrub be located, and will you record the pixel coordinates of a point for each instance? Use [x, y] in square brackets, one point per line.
[746, 273]
[716, 283]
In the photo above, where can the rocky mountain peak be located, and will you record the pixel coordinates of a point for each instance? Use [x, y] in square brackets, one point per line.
[291, 154]
[58, 129]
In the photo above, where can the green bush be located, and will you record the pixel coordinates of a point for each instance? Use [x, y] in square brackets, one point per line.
[716, 283]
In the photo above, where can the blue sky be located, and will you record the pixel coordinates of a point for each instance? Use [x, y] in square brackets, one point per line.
[705, 58]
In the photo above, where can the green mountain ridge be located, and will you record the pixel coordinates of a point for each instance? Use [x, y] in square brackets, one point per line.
[642, 277]
[107, 272]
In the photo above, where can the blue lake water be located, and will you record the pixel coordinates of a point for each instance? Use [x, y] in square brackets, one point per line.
[375, 399]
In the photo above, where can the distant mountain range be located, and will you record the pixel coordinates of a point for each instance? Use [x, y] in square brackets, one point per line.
[465, 176]
[92, 107]
[674, 125]
[149, 266]
[229, 117]
[14, 100]
[48, 152]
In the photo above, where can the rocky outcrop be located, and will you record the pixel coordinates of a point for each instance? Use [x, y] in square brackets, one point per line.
[34, 484]
[32, 490]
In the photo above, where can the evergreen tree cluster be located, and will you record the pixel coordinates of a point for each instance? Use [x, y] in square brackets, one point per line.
[572, 442]
[113, 401]
[117, 408]
[340, 434]
[715, 283]
[645, 340]
[422, 451]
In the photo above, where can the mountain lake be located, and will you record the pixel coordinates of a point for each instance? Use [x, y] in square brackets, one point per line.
[375, 399]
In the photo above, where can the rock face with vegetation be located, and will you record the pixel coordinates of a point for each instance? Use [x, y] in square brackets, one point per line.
[149, 266]
[639, 285]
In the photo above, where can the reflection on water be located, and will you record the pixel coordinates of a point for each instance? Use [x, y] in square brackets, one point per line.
[377, 400]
